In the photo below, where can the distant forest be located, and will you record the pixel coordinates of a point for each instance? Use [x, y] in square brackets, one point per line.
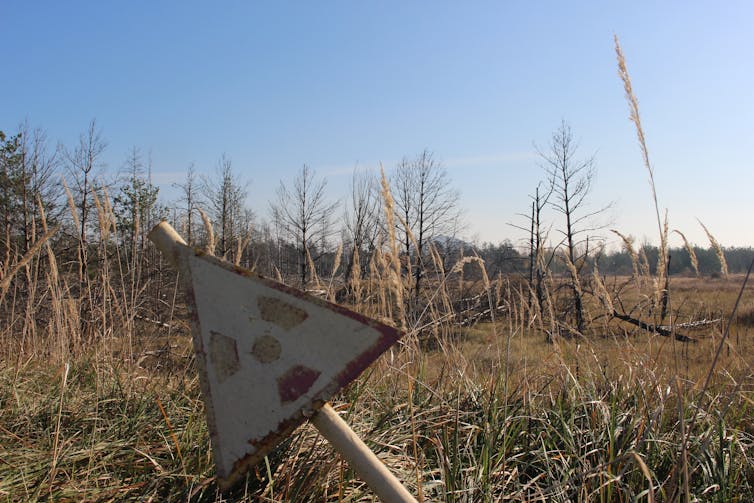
[506, 258]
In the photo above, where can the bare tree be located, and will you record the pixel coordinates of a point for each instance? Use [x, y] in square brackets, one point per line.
[538, 263]
[189, 198]
[37, 169]
[226, 197]
[428, 206]
[83, 163]
[571, 182]
[403, 182]
[303, 214]
[361, 217]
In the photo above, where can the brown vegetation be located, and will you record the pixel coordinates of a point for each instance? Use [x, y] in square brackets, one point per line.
[498, 391]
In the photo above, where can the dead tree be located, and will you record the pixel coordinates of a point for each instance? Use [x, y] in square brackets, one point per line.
[189, 199]
[83, 162]
[571, 181]
[361, 219]
[304, 214]
[428, 206]
[225, 197]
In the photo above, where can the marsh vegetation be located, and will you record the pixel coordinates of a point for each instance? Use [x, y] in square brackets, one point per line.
[553, 371]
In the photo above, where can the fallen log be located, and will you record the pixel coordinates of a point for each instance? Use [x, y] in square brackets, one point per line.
[655, 329]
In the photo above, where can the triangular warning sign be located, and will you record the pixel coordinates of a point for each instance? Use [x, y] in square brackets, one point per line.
[268, 355]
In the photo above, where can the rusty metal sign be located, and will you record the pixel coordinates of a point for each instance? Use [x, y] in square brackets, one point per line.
[268, 355]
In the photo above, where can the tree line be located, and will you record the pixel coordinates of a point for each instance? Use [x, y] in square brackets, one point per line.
[100, 217]
[95, 222]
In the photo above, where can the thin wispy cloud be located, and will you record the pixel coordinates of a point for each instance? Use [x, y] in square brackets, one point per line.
[347, 170]
[489, 160]
[453, 162]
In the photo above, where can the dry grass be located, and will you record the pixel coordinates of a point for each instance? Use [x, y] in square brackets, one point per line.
[580, 421]
[99, 399]
[489, 412]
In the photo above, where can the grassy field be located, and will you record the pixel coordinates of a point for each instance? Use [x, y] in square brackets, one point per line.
[99, 395]
[500, 401]
[491, 412]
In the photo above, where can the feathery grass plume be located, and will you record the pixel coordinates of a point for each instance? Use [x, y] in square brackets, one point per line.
[483, 269]
[101, 216]
[488, 288]
[499, 288]
[437, 260]
[633, 106]
[602, 292]
[355, 279]
[536, 311]
[337, 260]
[59, 320]
[380, 280]
[53, 264]
[310, 264]
[575, 280]
[72, 207]
[476, 259]
[376, 268]
[106, 221]
[105, 217]
[443, 286]
[644, 262]
[412, 239]
[690, 251]
[242, 243]
[5, 283]
[210, 248]
[107, 205]
[573, 272]
[718, 250]
[77, 227]
[336, 265]
[628, 246]
[661, 292]
[547, 290]
[389, 209]
[458, 266]
[239, 249]
[314, 276]
[56, 324]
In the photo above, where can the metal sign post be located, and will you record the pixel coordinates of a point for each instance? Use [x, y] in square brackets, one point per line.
[269, 357]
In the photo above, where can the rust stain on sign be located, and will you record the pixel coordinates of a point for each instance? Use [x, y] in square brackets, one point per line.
[266, 349]
[295, 382]
[280, 313]
[223, 352]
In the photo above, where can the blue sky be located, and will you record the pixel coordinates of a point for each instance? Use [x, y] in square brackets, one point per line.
[334, 84]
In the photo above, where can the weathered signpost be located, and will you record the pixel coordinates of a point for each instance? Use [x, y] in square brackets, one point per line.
[269, 358]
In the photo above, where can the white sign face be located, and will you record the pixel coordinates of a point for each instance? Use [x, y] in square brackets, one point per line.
[268, 355]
